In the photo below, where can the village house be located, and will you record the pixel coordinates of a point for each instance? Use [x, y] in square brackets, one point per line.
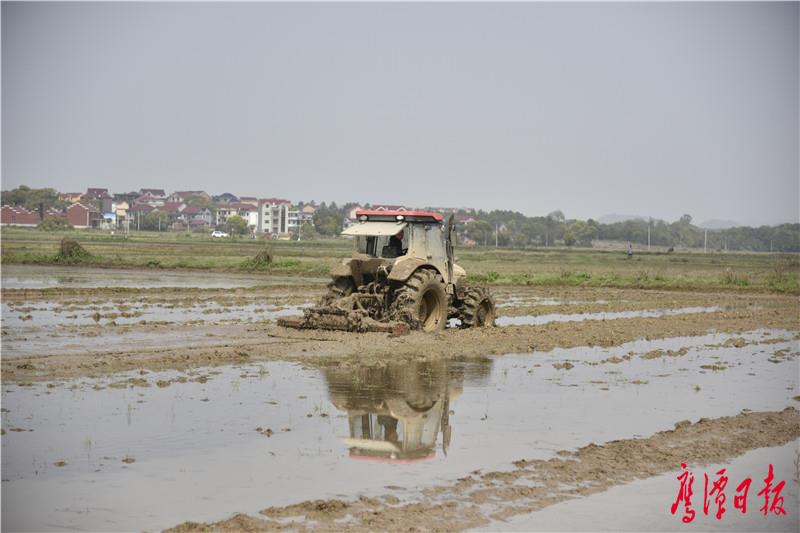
[226, 198]
[121, 211]
[158, 193]
[83, 216]
[71, 197]
[174, 211]
[137, 212]
[151, 200]
[98, 198]
[247, 211]
[127, 197]
[307, 214]
[185, 196]
[195, 216]
[14, 215]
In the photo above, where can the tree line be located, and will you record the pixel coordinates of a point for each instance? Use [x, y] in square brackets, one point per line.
[513, 229]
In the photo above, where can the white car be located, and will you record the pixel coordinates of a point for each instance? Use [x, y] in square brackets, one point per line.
[218, 233]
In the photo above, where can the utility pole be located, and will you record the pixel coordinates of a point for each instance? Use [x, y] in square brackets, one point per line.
[138, 219]
[705, 240]
[495, 234]
[648, 236]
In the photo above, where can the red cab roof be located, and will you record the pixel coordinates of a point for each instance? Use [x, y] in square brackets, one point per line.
[411, 216]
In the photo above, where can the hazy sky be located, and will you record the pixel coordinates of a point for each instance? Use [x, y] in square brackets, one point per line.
[655, 109]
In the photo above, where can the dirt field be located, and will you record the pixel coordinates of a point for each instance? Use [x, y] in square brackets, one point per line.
[181, 382]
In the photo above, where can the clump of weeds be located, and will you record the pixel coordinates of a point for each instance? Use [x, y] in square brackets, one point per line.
[71, 252]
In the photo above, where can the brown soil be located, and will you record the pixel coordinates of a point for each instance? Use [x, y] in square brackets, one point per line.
[165, 345]
[533, 484]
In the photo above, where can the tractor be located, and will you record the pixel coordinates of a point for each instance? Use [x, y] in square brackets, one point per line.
[402, 276]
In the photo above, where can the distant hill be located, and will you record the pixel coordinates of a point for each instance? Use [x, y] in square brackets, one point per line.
[715, 223]
[614, 218]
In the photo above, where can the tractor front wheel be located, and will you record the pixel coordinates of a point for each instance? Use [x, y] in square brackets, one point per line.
[477, 309]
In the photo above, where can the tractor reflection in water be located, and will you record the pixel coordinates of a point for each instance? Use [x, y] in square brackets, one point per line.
[397, 411]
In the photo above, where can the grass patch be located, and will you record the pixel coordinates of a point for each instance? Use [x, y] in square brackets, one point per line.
[485, 265]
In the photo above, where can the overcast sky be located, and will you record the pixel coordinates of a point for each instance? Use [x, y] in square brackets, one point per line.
[653, 109]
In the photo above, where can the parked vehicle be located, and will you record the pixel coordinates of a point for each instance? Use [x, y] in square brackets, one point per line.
[218, 233]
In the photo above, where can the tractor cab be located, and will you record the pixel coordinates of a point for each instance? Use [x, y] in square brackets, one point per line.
[396, 236]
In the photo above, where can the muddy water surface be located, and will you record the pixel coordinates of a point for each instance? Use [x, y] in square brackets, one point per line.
[530, 320]
[39, 277]
[147, 451]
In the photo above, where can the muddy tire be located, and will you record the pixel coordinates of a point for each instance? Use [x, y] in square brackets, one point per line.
[477, 309]
[338, 288]
[422, 301]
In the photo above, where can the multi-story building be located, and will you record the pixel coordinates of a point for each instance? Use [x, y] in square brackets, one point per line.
[248, 212]
[276, 216]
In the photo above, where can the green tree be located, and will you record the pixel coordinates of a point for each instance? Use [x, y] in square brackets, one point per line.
[155, 221]
[54, 224]
[328, 219]
[569, 239]
[32, 199]
[307, 232]
[236, 225]
[202, 201]
[581, 232]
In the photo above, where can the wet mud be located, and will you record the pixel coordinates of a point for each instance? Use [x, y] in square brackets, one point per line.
[94, 350]
[476, 499]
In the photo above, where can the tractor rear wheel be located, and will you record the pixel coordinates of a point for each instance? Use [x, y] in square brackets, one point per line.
[477, 309]
[422, 301]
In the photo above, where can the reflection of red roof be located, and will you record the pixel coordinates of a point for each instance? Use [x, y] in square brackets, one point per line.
[355, 454]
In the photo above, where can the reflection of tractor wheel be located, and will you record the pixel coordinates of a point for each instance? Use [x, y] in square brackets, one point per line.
[422, 301]
[477, 309]
[338, 288]
[398, 407]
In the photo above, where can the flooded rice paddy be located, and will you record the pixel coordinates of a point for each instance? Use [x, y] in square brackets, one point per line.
[138, 400]
[150, 450]
[42, 277]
